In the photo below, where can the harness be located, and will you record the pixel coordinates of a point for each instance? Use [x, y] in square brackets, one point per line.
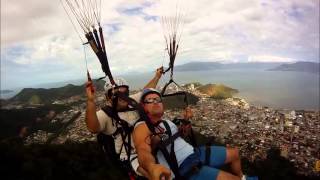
[124, 129]
[166, 139]
[107, 142]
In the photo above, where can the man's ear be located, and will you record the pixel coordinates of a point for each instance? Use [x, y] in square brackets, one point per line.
[145, 110]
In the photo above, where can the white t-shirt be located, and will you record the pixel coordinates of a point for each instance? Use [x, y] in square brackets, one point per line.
[182, 149]
[108, 128]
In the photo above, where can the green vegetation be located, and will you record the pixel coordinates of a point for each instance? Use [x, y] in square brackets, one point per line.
[35, 99]
[35, 118]
[87, 161]
[63, 128]
[218, 91]
[64, 161]
[48, 96]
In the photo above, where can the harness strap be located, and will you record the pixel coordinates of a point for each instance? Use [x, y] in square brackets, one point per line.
[143, 116]
[124, 130]
[129, 147]
[118, 131]
[133, 158]
[170, 140]
[191, 136]
[170, 157]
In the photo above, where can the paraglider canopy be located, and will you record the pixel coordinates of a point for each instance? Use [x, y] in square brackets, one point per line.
[172, 21]
[88, 15]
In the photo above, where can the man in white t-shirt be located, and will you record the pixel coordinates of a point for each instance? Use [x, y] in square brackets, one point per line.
[164, 154]
[101, 122]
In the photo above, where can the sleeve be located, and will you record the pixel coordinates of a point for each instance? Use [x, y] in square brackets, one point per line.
[105, 123]
[136, 96]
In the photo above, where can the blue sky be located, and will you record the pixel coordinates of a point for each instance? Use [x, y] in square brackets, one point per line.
[39, 44]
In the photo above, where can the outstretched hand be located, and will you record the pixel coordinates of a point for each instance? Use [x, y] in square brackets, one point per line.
[90, 90]
[159, 72]
[185, 127]
[187, 114]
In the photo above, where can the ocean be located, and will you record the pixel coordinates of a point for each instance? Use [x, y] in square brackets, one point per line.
[277, 89]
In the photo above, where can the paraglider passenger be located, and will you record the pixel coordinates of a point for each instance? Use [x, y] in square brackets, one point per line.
[163, 153]
[117, 118]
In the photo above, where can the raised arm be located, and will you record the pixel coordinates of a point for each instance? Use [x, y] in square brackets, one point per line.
[154, 81]
[141, 138]
[91, 116]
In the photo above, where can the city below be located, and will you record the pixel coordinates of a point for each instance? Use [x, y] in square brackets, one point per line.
[232, 122]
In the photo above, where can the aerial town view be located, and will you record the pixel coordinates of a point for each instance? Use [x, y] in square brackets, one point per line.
[160, 89]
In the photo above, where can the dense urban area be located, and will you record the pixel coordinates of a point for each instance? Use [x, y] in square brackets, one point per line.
[232, 122]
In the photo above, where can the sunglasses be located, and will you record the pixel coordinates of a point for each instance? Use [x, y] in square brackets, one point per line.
[126, 93]
[115, 92]
[152, 100]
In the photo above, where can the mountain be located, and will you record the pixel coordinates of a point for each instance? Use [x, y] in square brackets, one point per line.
[251, 65]
[217, 91]
[203, 66]
[47, 96]
[310, 67]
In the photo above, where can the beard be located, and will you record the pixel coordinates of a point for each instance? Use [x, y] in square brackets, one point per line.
[156, 113]
[122, 105]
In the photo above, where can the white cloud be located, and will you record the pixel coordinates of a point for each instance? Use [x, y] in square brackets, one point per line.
[229, 30]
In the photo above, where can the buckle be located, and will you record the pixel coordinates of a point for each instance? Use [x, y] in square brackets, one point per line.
[164, 137]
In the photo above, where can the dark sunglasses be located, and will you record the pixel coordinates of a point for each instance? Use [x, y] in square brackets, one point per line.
[117, 93]
[152, 100]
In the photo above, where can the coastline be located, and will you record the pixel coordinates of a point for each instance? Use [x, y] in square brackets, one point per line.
[255, 130]
[232, 122]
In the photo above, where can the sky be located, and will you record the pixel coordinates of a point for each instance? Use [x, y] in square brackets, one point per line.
[40, 45]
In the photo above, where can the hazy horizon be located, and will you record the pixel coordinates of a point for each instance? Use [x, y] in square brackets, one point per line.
[94, 75]
[278, 89]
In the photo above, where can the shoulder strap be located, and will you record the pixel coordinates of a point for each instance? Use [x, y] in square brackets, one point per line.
[124, 129]
[109, 111]
[140, 110]
[170, 157]
[114, 115]
[191, 136]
